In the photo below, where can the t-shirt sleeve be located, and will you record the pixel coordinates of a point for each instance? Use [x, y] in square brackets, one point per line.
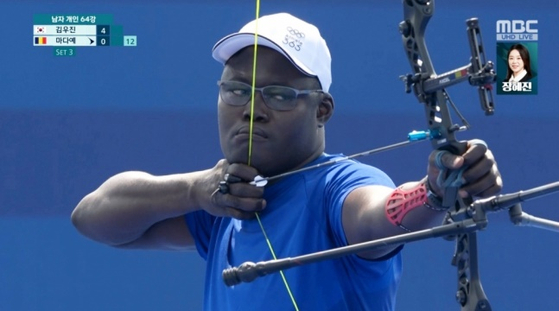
[200, 225]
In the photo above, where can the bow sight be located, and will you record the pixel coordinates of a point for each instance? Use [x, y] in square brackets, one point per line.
[478, 73]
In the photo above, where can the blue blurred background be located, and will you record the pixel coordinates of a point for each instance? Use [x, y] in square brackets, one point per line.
[69, 123]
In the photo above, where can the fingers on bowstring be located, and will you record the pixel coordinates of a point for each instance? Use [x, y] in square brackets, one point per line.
[242, 171]
[236, 197]
[237, 186]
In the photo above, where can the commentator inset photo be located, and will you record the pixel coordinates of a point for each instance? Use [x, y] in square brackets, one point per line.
[517, 68]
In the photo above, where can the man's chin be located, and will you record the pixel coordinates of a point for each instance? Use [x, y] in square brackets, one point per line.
[267, 167]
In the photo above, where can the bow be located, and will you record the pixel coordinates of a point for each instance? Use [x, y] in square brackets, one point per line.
[429, 88]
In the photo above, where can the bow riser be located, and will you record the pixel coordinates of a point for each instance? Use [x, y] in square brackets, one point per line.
[427, 86]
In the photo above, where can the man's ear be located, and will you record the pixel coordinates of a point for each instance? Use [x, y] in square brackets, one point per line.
[325, 109]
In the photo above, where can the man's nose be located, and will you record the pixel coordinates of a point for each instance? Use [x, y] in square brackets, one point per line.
[259, 110]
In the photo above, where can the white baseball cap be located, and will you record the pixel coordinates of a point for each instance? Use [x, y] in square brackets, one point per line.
[297, 40]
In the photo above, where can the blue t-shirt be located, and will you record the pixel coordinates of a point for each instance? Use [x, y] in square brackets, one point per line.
[303, 215]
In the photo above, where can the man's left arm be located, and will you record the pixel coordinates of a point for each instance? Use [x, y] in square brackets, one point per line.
[369, 211]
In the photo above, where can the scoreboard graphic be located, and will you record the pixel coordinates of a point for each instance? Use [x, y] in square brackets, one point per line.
[64, 32]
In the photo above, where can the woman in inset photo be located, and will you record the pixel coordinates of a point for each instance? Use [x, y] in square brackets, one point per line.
[518, 64]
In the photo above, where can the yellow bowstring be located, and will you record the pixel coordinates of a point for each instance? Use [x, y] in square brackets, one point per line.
[250, 148]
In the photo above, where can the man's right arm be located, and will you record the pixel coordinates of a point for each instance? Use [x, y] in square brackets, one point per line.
[139, 210]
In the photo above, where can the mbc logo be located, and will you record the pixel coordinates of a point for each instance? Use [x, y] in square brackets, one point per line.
[517, 26]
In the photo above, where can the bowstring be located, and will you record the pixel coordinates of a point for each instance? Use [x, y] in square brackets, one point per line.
[253, 90]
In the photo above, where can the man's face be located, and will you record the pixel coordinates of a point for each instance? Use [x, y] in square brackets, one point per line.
[281, 140]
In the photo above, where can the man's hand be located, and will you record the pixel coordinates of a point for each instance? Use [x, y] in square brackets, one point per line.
[235, 196]
[481, 178]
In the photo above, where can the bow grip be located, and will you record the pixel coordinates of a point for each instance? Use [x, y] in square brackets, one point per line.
[451, 180]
